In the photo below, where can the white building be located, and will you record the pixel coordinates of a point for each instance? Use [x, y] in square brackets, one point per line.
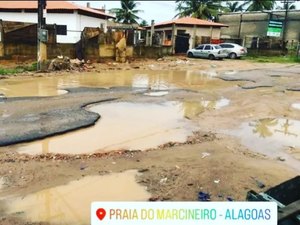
[66, 14]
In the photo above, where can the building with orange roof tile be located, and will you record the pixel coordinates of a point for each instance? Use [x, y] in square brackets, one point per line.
[69, 17]
[183, 33]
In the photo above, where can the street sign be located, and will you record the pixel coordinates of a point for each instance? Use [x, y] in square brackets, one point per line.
[274, 28]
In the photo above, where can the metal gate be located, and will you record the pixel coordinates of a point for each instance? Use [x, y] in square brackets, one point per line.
[182, 43]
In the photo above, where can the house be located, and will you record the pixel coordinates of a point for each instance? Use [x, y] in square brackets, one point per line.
[70, 19]
[255, 29]
[183, 33]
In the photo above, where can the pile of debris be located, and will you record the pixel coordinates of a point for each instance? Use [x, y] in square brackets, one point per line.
[65, 63]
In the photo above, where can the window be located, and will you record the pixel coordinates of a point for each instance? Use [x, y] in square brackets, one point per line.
[217, 47]
[226, 46]
[207, 47]
[200, 47]
[61, 29]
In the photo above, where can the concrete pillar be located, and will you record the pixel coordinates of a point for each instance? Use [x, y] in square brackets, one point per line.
[194, 37]
[151, 32]
[121, 50]
[163, 37]
[1, 49]
[173, 37]
[42, 56]
[1, 40]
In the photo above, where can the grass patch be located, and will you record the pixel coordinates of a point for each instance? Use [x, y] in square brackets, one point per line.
[273, 59]
[18, 69]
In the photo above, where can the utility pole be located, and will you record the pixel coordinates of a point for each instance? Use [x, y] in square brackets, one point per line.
[285, 23]
[42, 36]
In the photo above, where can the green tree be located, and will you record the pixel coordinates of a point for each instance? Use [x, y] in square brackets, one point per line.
[258, 5]
[233, 6]
[127, 13]
[144, 23]
[201, 9]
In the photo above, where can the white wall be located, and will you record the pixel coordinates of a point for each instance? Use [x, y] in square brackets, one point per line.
[75, 22]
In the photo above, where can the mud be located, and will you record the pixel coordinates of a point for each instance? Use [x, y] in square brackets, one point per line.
[285, 79]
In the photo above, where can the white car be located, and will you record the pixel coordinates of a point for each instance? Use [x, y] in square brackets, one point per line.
[210, 51]
[234, 50]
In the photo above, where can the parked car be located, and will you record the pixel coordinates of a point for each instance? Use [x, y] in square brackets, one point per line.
[234, 50]
[210, 51]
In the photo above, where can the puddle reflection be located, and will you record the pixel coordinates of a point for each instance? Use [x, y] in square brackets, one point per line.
[126, 125]
[296, 105]
[122, 125]
[154, 80]
[70, 204]
[271, 136]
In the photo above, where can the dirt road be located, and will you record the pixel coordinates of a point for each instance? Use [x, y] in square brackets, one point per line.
[217, 159]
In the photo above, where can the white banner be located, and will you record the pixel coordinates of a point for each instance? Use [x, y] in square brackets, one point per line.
[184, 213]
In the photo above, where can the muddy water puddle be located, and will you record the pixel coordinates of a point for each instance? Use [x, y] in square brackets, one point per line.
[296, 106]
[126, 125]
[154, 80]
[70, 204]
[272, 137]
[122, 125]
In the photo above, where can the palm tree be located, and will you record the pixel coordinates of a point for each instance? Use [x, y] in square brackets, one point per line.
[262, 127]
[233, 6]
[287, 6]
[258, 5]
[127, 13]
[144, 23]
[201, 9]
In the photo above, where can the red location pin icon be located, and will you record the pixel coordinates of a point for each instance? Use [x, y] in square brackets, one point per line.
[100, 213]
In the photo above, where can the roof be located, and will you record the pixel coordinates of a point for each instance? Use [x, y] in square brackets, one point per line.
[190, 21]
[51, 5]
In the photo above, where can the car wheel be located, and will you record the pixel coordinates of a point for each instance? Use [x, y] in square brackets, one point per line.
[232, 55]
[190, 55]
[211, 57]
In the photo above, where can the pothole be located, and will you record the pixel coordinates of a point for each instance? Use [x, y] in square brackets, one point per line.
[122, 125]
[70, 204]
[158, 80]
[156, 93]
[272, 137]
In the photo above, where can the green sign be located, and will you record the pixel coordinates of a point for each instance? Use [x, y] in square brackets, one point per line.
[274, 28]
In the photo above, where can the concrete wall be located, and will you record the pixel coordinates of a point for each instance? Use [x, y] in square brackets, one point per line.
[75, 22]
[255, 24]
[29, 51]
[151, 52]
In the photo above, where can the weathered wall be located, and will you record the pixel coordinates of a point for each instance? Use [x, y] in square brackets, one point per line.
[151, 52]
[29, 51]
[55, 50]
[255, 24]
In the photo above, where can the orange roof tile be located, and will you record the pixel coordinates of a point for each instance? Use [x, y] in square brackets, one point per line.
[50, 5]
[190, 21]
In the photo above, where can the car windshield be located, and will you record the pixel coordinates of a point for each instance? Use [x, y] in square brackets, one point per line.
[217, 47]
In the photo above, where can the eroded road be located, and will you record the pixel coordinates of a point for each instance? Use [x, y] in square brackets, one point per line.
[180, 126]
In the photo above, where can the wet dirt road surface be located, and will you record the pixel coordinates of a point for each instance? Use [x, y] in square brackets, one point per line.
[172, 127]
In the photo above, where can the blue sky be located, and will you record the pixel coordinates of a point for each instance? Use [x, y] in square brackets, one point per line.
[158, 10]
